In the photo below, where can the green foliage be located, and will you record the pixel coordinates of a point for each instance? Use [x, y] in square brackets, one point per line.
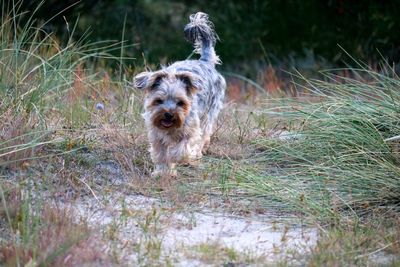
[249, 30]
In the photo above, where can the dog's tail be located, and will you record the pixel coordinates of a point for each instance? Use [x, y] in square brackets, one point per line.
[200, 32]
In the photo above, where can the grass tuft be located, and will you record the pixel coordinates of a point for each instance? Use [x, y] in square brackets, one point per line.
[341, 153]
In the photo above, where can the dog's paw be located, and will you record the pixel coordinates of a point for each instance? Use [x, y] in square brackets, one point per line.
[192, 160]
[205, 150]
[192, 163]
[165, 173]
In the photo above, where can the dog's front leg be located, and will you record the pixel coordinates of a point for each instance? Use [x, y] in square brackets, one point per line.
[161, 159]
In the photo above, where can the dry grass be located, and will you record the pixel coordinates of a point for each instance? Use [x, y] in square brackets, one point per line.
[207, 186]
[71, 134]
[118, 140]
[20, 137]
[375, 242]
[45, 235]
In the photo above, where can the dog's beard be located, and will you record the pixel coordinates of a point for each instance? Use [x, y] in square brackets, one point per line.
[163, 123]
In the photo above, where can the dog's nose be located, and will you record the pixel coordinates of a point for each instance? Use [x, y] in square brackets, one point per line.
[168, 115]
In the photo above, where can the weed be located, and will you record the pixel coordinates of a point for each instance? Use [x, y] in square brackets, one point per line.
[219, 255]
[45, 235]
[149, 245]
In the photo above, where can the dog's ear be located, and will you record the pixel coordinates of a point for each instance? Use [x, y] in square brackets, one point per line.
[192, 81]
[148, 80]
[140, 81]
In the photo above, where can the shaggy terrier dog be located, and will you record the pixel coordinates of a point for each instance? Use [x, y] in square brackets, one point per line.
[182, 101]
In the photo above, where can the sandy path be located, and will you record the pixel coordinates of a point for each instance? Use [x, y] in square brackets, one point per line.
[138, 220]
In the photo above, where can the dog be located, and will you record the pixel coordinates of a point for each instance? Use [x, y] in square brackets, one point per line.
[182, 101]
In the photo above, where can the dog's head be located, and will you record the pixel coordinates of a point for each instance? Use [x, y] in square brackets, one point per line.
[168, 96]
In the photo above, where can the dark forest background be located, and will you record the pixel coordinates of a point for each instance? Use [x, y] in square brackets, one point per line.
[250, 31]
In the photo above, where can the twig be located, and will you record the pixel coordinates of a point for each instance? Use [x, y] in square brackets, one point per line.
[91, 190]
[373, 252]
[393, 138]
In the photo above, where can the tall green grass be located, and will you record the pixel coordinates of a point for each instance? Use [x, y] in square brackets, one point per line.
[342, 154]
[33, 69]
[44, 91]
[43, 83]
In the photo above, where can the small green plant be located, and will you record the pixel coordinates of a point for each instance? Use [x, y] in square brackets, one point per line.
[243, 127]
[220, 255]
[149, 246]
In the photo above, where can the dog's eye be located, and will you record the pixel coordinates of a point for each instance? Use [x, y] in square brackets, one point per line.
[159, 101]
[180, 103]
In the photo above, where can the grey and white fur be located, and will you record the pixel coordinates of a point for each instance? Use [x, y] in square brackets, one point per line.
[182, 101]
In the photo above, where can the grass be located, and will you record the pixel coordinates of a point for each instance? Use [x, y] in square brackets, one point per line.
[44, 235]
[47, 106]
[328, 158]
[333, 157]
[340, 157]
[214, 253]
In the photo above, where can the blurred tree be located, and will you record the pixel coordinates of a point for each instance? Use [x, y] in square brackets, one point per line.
[249, 30]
